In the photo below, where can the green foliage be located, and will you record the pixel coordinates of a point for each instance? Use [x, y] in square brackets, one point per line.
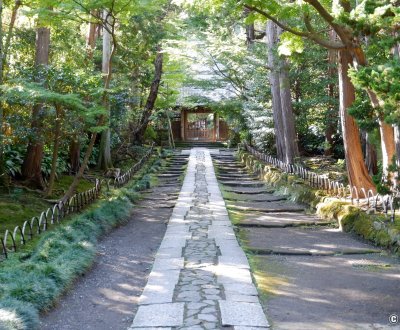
[32, 280]
[290, 44]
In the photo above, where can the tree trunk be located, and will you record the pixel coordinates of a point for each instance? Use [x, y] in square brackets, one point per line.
[397, 143]
[100, 122]
[138, 134]
[105, 162]
[331, 124]
[31, 168]
[91, 39]
[75, 145]
[2, 162]
[272, 39]
[356, 169]
[291, 147]
[386, 130]
[57, 133]
[388, 147]
[78, 176]
[371, 156]
[74, 154]
[17, 5]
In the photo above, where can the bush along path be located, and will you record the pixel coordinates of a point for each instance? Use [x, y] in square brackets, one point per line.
[309, 273]
[31, 281]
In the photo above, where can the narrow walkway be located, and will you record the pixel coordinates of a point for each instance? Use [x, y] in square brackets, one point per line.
[200, 278]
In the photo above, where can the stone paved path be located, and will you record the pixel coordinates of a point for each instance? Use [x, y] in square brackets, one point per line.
[201, 277]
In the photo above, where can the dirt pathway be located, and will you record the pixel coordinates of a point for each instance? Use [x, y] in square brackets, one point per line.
[311, 275]
[107, 296]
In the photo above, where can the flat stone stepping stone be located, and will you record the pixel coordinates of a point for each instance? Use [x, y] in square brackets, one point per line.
[248, 190]
[169, 175]
[235, 177]
[174, 171]
[159, 315]
[272, 209]
[231, 167]
[281, 220]
[266, 205]
[304, 241]
[254, 184]
[237, 172]
[236, 314]
[254, 198]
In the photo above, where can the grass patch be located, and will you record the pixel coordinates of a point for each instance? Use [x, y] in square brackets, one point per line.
[18, 205]
[32, 280]
[269, 276]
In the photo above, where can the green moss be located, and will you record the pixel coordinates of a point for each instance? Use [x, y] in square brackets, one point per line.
[335, 209]
[268, 276]
[362, 226]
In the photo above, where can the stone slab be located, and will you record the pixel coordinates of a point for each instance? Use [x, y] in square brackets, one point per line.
[151, 328]
[159, 315]
[235, 297]
[238, 261]
[240, 288]
[242, 314]
[231, 274]
[168, 253]
[248, 191]
[257, 328]
[160, 286]
[168, 264]
[281, 219]
[311, 241]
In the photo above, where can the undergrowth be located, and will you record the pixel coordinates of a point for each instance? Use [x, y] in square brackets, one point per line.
[31, 281]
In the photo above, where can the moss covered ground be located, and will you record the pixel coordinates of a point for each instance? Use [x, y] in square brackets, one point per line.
[18, 204]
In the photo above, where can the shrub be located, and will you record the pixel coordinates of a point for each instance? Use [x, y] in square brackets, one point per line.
[31, 281]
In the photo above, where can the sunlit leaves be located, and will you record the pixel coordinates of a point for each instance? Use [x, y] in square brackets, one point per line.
[290, 44]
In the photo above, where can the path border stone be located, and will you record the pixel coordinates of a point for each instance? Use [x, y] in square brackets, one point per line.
[201, 277]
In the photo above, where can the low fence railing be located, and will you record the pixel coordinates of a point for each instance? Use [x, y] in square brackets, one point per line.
[364, 198]
[12, 240]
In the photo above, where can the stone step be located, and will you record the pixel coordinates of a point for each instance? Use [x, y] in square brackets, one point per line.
[304, 241]
[254, 198]
[230, 166]
[271, 207]
[250, 191]
[281, 220]
[252, 184]
[169, 175]
[230, 178]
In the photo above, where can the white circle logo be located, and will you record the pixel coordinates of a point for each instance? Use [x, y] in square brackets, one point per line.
[393, 319]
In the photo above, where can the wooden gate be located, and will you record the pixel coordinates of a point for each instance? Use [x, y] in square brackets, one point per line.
[200, 127]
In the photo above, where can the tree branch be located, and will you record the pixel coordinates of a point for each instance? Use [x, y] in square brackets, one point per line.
[312, 36]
